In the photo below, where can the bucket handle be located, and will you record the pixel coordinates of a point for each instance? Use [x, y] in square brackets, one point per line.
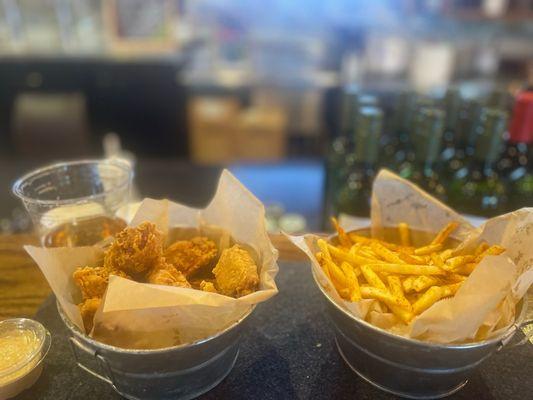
[100, 361]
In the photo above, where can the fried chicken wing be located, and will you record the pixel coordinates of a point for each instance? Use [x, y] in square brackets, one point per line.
[164, 273]
[236, 272]
[93, 281]
[87, 310]
[190, 255]
[135, 250]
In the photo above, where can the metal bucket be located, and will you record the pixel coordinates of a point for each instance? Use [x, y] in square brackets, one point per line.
[180, 372]
[408, 367]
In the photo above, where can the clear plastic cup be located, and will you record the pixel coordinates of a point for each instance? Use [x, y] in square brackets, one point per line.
[75, 203]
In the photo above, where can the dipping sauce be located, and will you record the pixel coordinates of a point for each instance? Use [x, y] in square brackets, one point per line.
[23, 345]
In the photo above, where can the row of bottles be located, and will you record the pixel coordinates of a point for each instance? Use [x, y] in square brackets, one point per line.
[468, 154]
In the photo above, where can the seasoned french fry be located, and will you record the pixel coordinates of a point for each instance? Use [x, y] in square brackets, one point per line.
[344, 293]
[481, 248]
[386, 254]
[411, 259]
[423, 282]
[446, 254]
[344, 240]
[430, 297]
[353, 283]
[450, 290]
[336, 273]
[466, 269]
[445, 232]
[406, 269]
[430, 248]
[372, 278]
[455, 262]
[381, 294]
[324, 248]
[404, 315]
[405, 234]
[395, 285]
[407, 284]
[437, 260]
[346, 256]
[493, 250]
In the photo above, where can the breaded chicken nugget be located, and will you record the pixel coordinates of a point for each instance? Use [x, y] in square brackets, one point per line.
[236, 273]
[190, 255]
[208, 286]
[164, 273]
[93, 281]
[87, 309]
[135, 250]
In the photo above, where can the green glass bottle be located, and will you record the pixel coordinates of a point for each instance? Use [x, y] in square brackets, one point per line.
[354, 196]
[339, 152]
[453, 159]
[477, 188]
[427, 142]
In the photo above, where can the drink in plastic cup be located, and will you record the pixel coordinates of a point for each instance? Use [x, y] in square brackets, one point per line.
[74, 203]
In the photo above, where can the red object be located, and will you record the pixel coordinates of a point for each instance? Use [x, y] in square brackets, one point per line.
[521, 127]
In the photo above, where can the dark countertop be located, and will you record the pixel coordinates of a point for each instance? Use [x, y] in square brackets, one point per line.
[288, 352]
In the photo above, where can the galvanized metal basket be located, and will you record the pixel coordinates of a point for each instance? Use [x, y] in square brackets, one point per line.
[408, 367]
[179, 372]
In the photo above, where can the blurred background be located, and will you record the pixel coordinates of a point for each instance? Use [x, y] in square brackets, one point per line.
[303, 100]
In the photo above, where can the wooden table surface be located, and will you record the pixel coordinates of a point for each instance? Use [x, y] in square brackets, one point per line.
[23, 287]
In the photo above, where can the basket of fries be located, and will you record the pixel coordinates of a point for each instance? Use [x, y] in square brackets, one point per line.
[158, 310]
[420, 298]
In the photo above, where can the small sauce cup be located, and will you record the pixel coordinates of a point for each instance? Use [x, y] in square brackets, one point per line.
[24, 344]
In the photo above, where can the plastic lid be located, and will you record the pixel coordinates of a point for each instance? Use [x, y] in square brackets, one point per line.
[521, 127]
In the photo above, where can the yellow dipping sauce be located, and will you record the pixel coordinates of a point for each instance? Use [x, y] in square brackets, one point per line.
[23, 345]
[16, 348]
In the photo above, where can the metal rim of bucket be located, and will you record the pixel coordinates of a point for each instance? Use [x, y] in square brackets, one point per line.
[509, 332]
[74, 329]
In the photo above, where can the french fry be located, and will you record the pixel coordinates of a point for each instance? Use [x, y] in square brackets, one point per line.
[324, 248]
[404, 233]
[493, 250]
[430, 297]
[446, 254]
[481, 248]
[437, 260]
[344, 293]
[445, 232]
[423, 282]
[346, 256]
[450, 290]
[404, 315]
[381, 294]
[455, 262]
[410, 258]
[395, 286]
[466, 269]
[385, 253]
[430, 248]
[372, 278]
[406, 269]
[344, 240]
[353, 283]
[336, 273]
[407, 284]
